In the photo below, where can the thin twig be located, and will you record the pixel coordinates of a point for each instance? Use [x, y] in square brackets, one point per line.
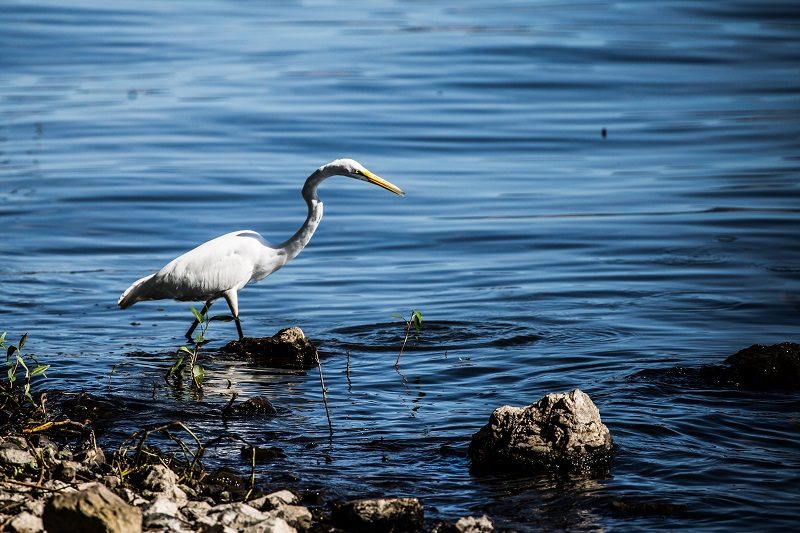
[252, 472]
[405, 340]
[347, 372]
[31, 485]
[324, 396]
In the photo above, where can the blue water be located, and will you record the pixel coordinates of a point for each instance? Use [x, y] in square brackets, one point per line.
[542, 256]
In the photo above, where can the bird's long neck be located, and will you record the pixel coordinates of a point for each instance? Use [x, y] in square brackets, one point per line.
[295, 244]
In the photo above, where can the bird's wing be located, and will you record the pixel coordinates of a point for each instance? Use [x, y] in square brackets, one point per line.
[222, 264]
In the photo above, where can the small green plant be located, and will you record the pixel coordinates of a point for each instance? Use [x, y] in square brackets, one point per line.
[415, 321]
[187, 357]
[15, 360]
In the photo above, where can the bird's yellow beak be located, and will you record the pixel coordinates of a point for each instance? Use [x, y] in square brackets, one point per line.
[380, 182]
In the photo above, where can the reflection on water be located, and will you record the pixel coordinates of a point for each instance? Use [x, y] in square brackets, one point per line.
[543, 255]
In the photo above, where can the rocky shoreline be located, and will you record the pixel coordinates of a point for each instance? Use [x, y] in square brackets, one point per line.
[62, 489]
[55, 478]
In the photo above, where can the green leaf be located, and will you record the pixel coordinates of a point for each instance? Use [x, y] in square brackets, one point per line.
[178, 366]
[22, 341]
[198, 374]
[199, 339]
[41, 369]
[222, 318]
[3, 337]
[20, 361]
[416, 319]
[185, 349]
[11, 376]
[197, 315]
[11, 350]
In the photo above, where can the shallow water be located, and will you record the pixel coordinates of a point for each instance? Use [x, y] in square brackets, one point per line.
[542, 255]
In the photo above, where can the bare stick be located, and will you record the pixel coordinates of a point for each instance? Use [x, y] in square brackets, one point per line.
[324, 395]
[252, 472]
[405, 340]
[347, 372]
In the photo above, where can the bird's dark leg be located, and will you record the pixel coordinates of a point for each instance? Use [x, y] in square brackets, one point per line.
[233, 302]
[205, 309]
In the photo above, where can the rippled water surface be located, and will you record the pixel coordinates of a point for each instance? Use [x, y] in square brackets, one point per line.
[543, 256]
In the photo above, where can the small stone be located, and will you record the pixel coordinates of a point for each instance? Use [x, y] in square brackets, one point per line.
[290, 335]
[280, 498]
[91, 456]
[35, 507]
[386, 514]
[95, 509]
[64, 454]
[11, 454]
[158, 478]
[243, 518]
[296, 516]
[25, 522]
[194, 510]
[256, 406]
[470, 524]
[162, 514]
[66, 471]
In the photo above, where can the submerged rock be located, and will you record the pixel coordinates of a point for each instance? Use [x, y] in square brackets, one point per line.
[757, 367]
[560, 431]
[385, 514]
[95, 509]
[289, 348]
[766, 367]
[256, 406]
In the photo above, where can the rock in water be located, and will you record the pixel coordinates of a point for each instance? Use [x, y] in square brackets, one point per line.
[94, 510]
[559, 432]
[289, 348]
[766, 367]
[382, 515]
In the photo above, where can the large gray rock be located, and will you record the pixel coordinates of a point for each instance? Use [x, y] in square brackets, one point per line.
[381, 515]
[158, 478]
[560, 431]
[93, 510]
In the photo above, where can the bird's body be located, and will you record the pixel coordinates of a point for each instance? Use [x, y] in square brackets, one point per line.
[219, 268]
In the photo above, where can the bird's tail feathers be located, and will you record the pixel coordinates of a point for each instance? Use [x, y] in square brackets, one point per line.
[134, 293]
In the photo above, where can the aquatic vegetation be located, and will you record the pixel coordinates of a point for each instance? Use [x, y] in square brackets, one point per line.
[415, 321]
[15, 364]
[187, 357]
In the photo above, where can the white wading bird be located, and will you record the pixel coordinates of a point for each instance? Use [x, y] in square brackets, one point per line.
[222, 266]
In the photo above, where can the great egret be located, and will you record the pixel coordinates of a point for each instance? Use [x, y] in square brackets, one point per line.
[222, 266]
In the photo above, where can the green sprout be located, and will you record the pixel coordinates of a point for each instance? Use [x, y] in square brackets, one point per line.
[15, 360]
[187, 357]
[414, 321]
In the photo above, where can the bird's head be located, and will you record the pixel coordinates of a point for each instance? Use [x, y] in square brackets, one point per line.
[353, 169]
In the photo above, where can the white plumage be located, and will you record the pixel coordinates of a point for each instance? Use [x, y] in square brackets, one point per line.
[219, 268]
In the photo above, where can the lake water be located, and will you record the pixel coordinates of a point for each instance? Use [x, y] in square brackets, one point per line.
[543, 256]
